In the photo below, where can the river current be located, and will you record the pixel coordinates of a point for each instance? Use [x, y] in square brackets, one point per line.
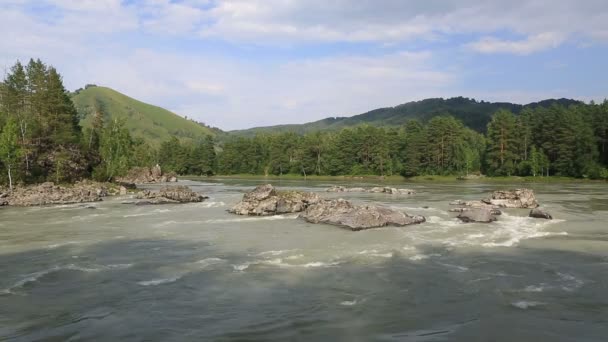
[109, 271]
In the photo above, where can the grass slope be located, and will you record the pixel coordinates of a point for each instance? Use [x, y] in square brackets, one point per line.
[473, 114]
[152, 123]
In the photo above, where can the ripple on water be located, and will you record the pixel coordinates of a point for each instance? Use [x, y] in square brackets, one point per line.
[34, 277]
[160, 281]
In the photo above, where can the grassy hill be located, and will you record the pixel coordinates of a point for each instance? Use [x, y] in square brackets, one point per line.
[474, 114]
[152, 123]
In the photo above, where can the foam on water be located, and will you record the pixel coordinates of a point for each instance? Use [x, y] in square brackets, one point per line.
[456, 267]
[349, 302]
[212, 204]
[253, 219]
[241, 267]
[57, 245]
[160, 281]
[524, 304]
[275, 253]
[535, 288]
[513, 229]
[570, 282]
[419, 257]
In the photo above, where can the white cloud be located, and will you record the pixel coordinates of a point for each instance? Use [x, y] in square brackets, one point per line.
[113, 43]
[526, 46]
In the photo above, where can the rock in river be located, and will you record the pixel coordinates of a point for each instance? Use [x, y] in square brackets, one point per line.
[169, 195]
[384, 190]
[345, 214]
[539, 213]
[518, 198]
[483, 215]
[265, 200]
[48, 193]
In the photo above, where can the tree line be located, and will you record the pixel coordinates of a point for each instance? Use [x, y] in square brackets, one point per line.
[542, 141]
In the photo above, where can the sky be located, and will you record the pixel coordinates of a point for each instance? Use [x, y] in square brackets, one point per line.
[236, 64]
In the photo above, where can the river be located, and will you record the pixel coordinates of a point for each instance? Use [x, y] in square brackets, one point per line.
[193, 272]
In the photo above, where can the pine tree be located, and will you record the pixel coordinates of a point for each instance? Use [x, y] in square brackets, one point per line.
[502, 146]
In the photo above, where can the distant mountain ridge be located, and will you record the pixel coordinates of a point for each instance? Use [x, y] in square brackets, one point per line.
[151, 123]
[474, 114]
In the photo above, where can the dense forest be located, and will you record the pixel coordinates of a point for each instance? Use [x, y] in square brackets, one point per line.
[556, 140]
[41, 140]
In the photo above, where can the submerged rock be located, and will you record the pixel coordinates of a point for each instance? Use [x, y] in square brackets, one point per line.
[265, 200]
[386, 190]
[517, 198]
[463, 209]
[169, 195]
[539, 213]
[48, 194]
[347, 215]
[483, 215]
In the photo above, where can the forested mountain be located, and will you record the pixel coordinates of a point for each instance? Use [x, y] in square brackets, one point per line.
[151, 123]
[474, 114]
[44, 137]
[555, 140]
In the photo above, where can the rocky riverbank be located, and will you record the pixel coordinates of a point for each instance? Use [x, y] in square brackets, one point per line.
[50, 194]
[384, 190]
[147, 175]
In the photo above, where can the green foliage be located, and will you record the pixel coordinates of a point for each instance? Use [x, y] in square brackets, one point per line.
[115, 151]
[198, 158]
[150, 123]
[502, 144]
[9, 148]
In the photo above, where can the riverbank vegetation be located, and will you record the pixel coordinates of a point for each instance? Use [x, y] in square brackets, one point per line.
[41, 140]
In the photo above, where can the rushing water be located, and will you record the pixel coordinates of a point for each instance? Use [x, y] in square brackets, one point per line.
[195, 272]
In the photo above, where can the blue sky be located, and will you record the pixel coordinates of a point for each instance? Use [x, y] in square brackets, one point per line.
[243, 63]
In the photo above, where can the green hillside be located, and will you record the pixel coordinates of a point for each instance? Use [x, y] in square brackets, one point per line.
[474, 114]
[152, 123]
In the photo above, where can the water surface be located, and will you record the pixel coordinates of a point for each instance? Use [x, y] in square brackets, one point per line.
[195, 272]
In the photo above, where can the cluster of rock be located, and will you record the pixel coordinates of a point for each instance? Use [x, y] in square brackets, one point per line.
[146, 175]
[169, 195]
[486, 210]
[344, 214]
[265, 200]
[384, 190]
[48, 193]
[518, 198]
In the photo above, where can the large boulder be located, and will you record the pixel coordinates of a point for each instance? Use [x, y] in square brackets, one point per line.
[265, 200]
[517, 198]
[347, 215]
[482, 215]
[539, 213]
[49, 194]
[169, 195]
[146, 175]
